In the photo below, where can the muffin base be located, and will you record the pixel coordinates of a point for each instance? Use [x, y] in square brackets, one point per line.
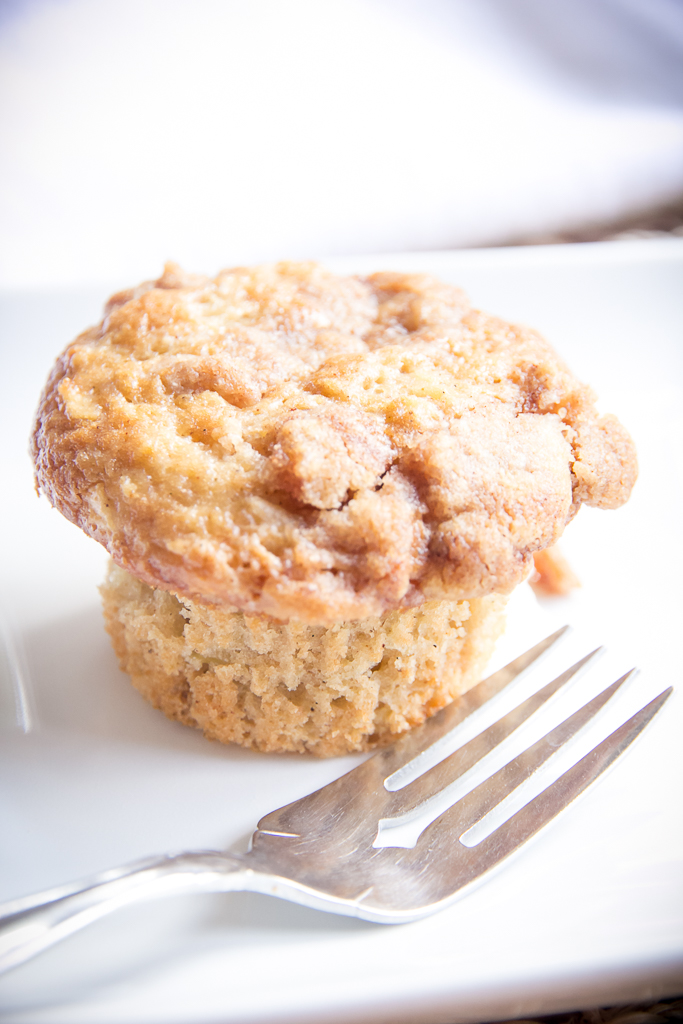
[276, 686]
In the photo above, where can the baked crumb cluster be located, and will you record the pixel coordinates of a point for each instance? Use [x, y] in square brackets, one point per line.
[316, 490]
[277, 686]
[301, 445]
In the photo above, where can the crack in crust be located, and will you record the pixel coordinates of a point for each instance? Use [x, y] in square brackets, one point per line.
[300, 445]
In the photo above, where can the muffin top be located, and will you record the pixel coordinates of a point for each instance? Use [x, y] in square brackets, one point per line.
[296, 444]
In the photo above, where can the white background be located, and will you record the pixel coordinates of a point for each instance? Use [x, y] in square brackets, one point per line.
[223, 131]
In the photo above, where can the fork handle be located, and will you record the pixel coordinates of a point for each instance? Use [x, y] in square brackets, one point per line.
[32, 924]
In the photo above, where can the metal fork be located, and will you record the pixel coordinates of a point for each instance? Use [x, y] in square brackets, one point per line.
[322, 851]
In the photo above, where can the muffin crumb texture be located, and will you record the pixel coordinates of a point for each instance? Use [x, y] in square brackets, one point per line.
[553, 576]
[293, 687]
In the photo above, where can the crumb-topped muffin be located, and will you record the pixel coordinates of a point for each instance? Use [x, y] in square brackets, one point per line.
[314, 450]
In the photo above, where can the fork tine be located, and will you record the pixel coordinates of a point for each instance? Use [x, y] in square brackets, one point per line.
[359, 795]
[471, 862]
[466, 812]
[408, 800]
[417, 742]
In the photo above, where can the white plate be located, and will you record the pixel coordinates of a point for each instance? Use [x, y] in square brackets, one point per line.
[591, 912]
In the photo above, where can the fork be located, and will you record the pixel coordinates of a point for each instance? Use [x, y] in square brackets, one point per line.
[322, 851]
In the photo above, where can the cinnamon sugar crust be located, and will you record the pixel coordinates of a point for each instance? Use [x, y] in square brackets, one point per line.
[299, 445]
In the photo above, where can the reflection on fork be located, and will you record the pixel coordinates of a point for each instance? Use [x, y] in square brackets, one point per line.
[329, 850]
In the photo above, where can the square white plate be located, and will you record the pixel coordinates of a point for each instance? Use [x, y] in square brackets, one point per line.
[591, 912]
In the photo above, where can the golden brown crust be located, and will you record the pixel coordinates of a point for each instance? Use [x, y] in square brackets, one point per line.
[306, 446]
[277, 687]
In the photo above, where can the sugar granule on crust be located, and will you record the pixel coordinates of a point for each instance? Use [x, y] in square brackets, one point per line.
[308, 447]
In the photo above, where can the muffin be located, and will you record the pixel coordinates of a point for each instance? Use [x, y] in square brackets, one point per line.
[308, 483]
